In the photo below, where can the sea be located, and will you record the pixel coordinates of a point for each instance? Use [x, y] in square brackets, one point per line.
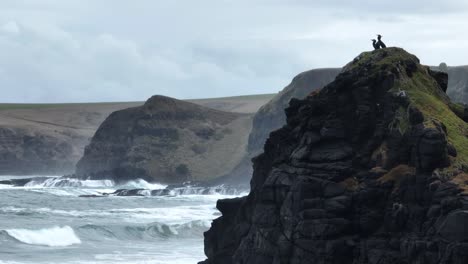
[49, 221]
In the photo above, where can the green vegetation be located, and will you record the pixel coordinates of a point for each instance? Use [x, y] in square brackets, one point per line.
[458, 109]
[429, 99]
[423, 92]
[384, 58]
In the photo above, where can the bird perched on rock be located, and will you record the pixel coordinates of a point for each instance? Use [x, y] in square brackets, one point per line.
[380, 42]
[374, 44]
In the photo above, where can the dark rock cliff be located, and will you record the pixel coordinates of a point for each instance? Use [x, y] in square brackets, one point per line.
[370, 169]
[458, 83]
[271, 117]
[166, 140]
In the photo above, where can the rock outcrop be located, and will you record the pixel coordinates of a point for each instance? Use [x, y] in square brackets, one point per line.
[166, 140]
[457, 83]
[271, 117]
[370, 169]
[49, 139]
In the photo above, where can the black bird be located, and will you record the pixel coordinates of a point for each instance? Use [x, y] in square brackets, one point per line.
[380, 42]
[376, 47]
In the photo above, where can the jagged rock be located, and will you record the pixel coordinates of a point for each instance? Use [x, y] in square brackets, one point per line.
[441, 78]
[271, 116]
[454, 228]
[360, 174]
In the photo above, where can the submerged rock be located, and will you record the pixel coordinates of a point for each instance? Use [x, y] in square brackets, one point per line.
[361, 173]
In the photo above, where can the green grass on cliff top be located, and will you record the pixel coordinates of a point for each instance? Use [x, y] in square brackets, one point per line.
[424, 93]
[421, 90]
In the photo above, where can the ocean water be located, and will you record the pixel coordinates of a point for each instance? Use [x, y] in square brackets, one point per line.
[47, 222]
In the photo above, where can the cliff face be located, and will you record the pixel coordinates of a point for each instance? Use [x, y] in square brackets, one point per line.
[24, 151]
[271, 116]
[48, 139]
[370, 169]
[458, 83]
[166, 140]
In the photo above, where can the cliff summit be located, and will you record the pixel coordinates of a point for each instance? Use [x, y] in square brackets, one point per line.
[369, 169]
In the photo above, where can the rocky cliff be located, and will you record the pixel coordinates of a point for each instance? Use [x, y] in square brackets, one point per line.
[271, 117]
[370, 169]
[166, 140]
[458, 83]
[49, 139]
[44, 139]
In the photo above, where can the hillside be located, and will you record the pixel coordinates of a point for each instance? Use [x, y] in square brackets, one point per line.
[369, 169]
[49, 139]
[166, 140]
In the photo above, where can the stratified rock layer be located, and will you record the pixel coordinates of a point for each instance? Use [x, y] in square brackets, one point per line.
[166, 140]
[367, 170]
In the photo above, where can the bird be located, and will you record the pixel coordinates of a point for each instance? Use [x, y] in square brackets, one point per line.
[380, 42]
[376, 47]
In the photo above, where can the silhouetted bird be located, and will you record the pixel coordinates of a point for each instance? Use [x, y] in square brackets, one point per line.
[376, 47]
[380, 42]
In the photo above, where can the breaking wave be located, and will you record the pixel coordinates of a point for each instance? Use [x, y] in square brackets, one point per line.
[52, 237]
[146, 232]
[79, 183]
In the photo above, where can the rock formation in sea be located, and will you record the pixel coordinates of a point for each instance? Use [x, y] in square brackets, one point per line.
[168, 141]
[369, 169]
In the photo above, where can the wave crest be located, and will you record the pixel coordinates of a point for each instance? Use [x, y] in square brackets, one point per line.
[52, 237]
[146, 232]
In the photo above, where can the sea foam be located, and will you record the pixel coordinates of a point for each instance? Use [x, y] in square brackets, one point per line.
[52, 237]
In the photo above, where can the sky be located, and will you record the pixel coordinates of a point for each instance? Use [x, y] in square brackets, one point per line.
[128, 50]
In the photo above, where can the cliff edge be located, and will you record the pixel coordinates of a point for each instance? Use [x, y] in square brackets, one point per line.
[369, 169]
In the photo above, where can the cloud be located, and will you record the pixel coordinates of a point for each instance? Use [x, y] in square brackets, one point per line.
[11, 27]
[64, 51]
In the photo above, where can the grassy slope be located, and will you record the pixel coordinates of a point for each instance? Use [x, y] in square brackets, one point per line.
[425, 94]
[422, 94]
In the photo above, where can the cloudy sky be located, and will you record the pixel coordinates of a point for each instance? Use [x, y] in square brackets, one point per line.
[126, 50]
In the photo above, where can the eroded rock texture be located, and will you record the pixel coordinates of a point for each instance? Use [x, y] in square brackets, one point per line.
[166, 140]
[363, 172]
